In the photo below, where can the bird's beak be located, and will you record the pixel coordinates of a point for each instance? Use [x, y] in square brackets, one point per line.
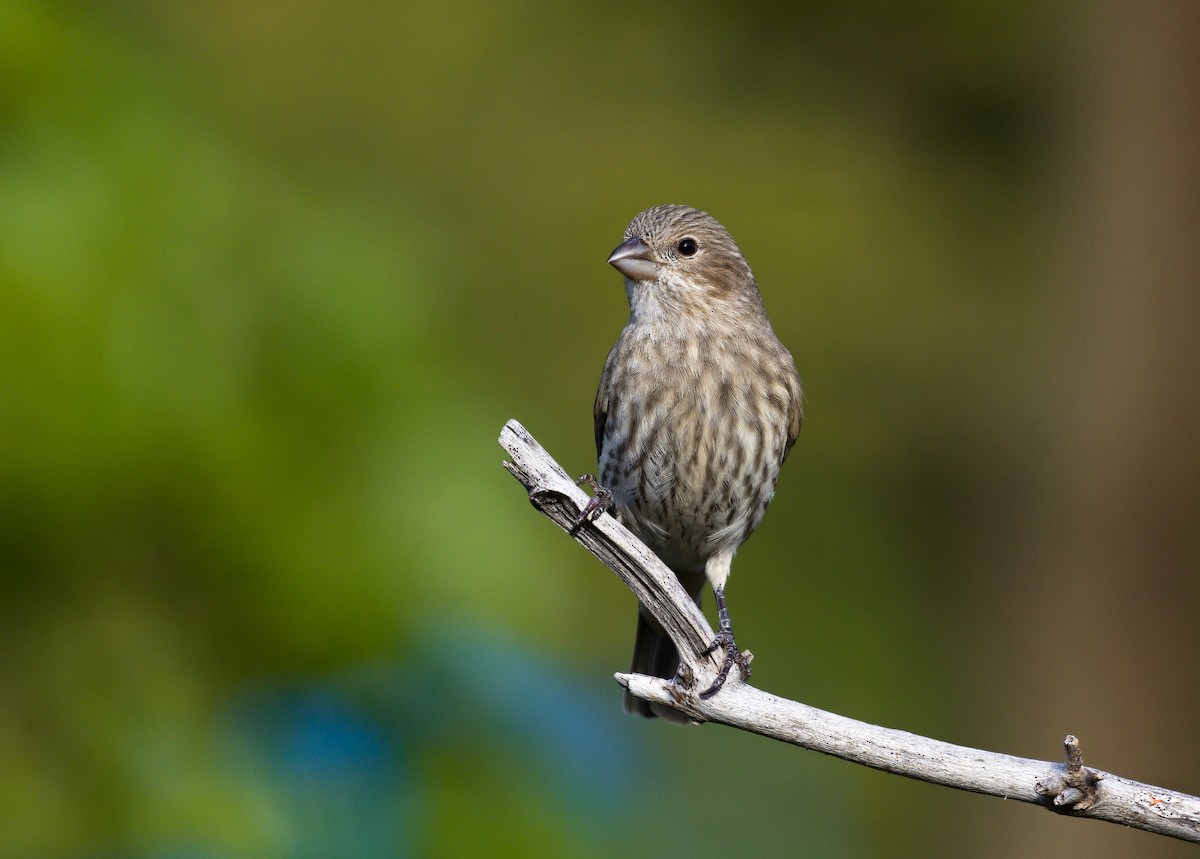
[634, 259]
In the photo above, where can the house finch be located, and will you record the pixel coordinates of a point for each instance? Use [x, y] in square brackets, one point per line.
[698, 406]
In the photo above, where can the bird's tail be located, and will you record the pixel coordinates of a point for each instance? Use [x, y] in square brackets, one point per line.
[655, 654]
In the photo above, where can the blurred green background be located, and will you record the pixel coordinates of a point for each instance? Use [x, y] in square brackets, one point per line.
[273, 275]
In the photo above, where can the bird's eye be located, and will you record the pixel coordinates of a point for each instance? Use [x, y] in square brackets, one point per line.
[687, 247]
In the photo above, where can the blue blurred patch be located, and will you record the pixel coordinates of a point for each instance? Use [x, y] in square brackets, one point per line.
[572, 735]
[340, 758]
[341, 783]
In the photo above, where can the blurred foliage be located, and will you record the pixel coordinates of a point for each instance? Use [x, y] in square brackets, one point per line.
[272, 276]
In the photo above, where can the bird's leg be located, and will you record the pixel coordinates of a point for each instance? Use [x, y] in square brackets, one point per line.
[725, 641]
[600, 501]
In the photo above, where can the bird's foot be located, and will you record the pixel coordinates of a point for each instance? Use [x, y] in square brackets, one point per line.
[600, 501]
[733, 656]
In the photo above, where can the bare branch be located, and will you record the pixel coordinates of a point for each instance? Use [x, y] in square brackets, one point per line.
[1067, 788]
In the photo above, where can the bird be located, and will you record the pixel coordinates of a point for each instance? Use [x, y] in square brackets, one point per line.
[698, 406]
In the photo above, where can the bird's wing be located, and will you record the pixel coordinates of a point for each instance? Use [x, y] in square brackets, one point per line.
[600, 413]
[603, 395]
[795, 416]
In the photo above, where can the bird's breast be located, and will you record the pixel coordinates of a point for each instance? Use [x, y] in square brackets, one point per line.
[692, 447]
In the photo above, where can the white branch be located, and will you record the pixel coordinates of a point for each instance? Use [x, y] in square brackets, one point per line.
[1068, 787]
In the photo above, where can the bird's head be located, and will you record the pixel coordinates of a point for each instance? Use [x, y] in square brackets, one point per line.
[676, 258]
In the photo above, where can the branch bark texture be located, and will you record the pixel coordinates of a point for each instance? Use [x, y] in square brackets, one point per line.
[1067, 787]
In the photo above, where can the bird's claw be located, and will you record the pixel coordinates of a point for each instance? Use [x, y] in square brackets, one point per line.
[733, 656]
[600, 501]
